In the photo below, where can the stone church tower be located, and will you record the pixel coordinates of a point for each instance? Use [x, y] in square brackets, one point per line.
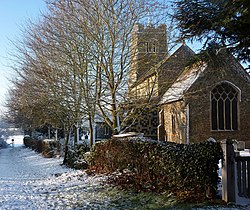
[148, 48]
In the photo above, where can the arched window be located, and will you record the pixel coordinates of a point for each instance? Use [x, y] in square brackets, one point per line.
[224, 107]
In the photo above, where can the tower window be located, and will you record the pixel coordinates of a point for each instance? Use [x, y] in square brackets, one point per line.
[147, 47]
[224, 107]
[151, 46]
[154, 47]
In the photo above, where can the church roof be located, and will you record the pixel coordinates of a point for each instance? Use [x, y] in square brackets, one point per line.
[183, 83]
[190, 74]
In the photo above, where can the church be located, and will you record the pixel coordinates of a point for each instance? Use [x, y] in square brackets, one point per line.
[194, 99]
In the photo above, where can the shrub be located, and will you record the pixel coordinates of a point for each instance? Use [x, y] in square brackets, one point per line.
[47, 148]
[76, 156]
[187, 171]
[3, 143]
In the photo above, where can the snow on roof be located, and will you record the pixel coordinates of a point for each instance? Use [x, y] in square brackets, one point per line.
[183, 83]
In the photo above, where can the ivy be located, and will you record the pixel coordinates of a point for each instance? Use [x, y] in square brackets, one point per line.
[187, 171]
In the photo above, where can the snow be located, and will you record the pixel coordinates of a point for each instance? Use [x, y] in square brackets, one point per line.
[29, 181]
[128, 134]
[18, 140]
[244, 153]
[182, 84]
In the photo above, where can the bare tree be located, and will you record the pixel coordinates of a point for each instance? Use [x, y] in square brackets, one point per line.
[75, 61]
[108, 26]
[101, 32]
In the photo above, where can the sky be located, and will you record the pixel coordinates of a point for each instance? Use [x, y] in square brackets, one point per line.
[13, 16]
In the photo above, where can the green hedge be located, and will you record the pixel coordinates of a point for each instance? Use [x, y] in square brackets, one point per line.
[76, 156]
[47, 148]
[187, 171]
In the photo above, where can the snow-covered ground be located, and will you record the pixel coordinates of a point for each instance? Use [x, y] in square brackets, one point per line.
[18, 140]
[30, 182]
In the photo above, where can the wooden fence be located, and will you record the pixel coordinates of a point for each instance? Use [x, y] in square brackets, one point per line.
[243, 176]
[235, 173]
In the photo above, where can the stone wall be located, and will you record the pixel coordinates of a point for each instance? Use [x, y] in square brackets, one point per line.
[198, 98]
[142, 59]
[172, 67]
[175, 122]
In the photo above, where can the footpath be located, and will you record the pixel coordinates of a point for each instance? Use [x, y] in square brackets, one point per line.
[29, 181]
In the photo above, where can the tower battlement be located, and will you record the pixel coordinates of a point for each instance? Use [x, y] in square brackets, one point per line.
[140, 28]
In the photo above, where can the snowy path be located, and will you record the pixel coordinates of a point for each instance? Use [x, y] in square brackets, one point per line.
[29, 181]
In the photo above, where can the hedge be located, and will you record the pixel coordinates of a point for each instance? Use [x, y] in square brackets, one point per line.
[187, 171]
[76, 156]
[47, 148]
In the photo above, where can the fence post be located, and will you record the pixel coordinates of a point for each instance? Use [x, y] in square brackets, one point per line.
[228, 171]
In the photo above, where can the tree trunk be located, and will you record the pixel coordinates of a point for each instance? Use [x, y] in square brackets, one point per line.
[75, 135]
[66, 148]
[91, 133]
[115, 117]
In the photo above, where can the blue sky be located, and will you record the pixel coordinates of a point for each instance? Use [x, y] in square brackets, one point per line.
[13, 15]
